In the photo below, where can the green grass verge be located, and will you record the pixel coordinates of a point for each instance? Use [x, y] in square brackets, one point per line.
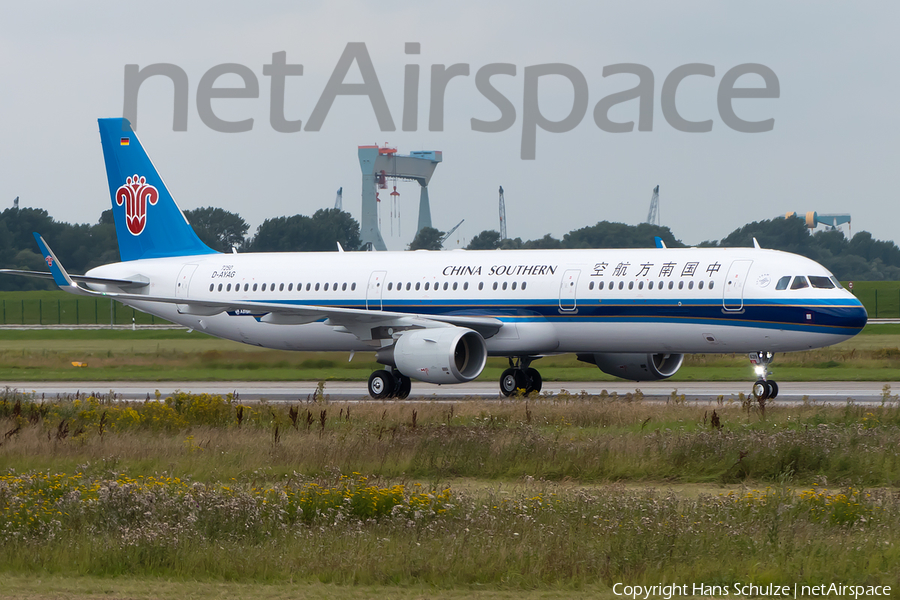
[504, 497]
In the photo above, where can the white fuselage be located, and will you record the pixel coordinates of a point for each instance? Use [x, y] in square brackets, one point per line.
[694, 300]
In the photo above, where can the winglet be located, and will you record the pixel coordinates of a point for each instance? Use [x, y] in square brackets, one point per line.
[756, 244]
[659, 242]
[60, 276]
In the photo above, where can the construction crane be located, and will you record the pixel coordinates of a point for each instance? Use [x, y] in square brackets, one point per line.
[449, 233]
[653, 214]
[339, 201]
[502, 215]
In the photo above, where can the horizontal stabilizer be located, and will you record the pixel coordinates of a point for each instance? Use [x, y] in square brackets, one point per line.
[123, 283]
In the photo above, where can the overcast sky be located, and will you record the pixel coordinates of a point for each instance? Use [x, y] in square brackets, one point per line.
[833, 147]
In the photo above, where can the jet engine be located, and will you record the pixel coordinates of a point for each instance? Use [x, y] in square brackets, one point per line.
[437, 355]
[635, 367]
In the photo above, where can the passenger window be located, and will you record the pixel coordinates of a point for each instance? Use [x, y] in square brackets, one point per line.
[799, 283]
[353, 286]
[711, 284]
[308, 285]
[680, 285]
[272, 287]
[822, 283]
[455, 284]
[326, 287]
[263, 287]
[408, 285]
[480, 285]
[281, 287]
[523, 284]
[465, 285]
[445, 286]
[591, 285]
[390, 286]
[649, 285]
[504, 285]
[783, 283]
[290, 287]
[427, 285]
[344, 287]
[211, 286]
[228, 288]
[640, 285]
[621, 284]
[495, 285]
[691, 285]
[671, 284]
[700, 285]
[599, 285]
[417, 286]
[317, 287]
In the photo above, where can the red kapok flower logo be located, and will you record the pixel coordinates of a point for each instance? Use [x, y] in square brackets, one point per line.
[135, 195]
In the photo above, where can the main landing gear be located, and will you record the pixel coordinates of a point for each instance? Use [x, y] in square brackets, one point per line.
[764, 388]
[389, 384]
[519, 377]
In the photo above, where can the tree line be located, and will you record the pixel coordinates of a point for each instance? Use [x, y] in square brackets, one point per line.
[82, 246]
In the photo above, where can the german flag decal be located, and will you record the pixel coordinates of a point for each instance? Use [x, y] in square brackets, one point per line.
[123, 141]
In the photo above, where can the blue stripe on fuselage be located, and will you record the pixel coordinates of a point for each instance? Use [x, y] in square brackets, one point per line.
[811, 315]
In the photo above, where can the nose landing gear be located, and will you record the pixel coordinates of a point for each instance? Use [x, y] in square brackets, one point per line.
[520, 377]
[764, 388]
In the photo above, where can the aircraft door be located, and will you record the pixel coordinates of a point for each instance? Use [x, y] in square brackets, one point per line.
[733, 290]
[182, 284]
[375, 289]
[567, 289]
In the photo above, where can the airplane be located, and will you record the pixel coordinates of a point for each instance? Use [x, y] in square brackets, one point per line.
[437, 316]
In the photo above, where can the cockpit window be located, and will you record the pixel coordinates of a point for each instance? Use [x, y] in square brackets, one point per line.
[783, 283]
[836, 283]
[799, 283]
[823, 283]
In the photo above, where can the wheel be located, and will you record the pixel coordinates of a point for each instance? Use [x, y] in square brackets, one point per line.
[508, 382]
[404, 387]
[381, 384]
[773, 389]
[534, 379]
[761, 390]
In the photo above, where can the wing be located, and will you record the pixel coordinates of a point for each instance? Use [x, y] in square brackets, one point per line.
[367, 325]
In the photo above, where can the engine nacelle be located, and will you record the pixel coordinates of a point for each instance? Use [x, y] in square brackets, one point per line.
[635, 367]
[437, 355]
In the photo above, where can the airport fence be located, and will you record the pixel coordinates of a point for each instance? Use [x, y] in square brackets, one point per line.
[60, 308]
[881, 298]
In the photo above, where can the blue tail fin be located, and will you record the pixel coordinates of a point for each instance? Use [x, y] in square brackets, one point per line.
[148, 222]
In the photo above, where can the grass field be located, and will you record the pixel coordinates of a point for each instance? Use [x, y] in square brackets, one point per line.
[556, 496]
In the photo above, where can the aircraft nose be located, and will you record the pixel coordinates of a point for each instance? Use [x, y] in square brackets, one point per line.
[855, 315]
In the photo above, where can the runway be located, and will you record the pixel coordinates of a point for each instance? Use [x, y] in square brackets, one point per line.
[831, 392]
